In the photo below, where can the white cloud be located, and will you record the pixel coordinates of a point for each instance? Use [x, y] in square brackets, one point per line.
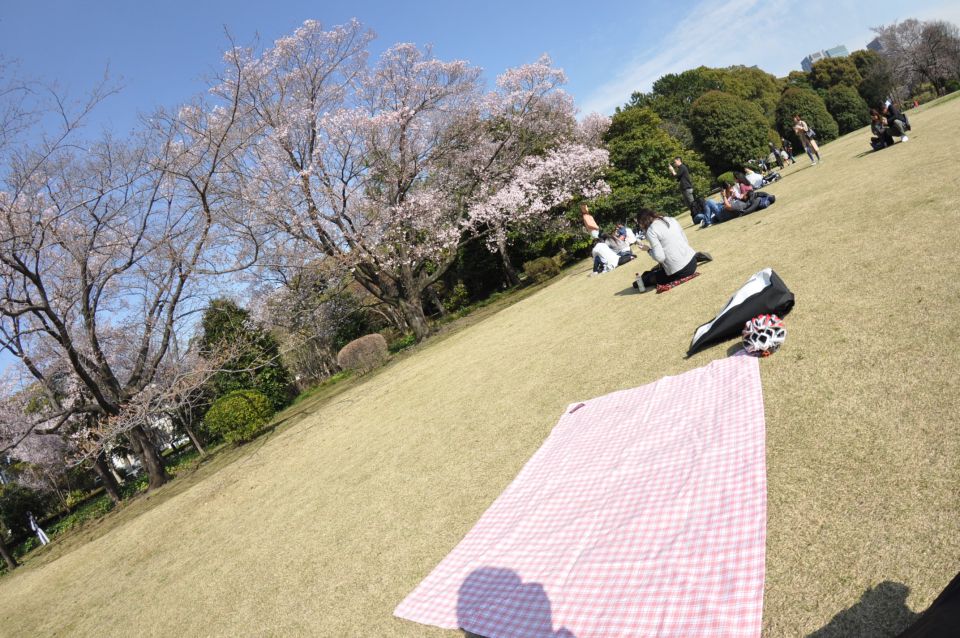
[772, 34]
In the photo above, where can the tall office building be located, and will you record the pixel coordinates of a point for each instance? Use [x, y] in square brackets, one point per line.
[838, 51]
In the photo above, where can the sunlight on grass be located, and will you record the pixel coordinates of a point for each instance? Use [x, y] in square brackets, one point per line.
[320, 526]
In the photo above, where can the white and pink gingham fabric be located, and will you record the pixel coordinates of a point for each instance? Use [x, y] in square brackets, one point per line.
[643, 514]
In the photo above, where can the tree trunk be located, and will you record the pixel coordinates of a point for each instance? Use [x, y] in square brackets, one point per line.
[152, 462]
[194, 439]
[513, 278]
[435, 298]
[110, 484]
[7, 556]
[413, 314]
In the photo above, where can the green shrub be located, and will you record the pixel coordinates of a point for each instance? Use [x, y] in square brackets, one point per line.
[133, 486]
[561, 258]
[364, 354]
[541, 269]
[402, 343]
[729, 130]
[458, 298]
[811, 109]
[91, 510]
[847, 108]
[726, 177]
[75, 497]
[238, 416]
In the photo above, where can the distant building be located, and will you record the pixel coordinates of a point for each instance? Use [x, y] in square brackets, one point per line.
[875, 45]
[838, 51]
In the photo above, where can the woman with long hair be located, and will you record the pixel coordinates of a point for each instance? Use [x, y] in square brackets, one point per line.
[668, 247]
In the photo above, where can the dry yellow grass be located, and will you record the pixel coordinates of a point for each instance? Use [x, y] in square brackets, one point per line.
[321, 528]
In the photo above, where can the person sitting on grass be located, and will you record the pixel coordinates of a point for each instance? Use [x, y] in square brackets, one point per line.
[668, 247]
[895, 120]
[731, 205]
[606, 257]
[882, 136]
[755, 179]
[734, 206]
[626, 234]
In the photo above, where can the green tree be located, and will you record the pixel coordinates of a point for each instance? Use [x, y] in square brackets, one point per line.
[257, 366]
[15, 501]
[729, 131]
[754, 85]
[831, 72]
[847, 108]
[877, 76]
[640, 151]
[797, 80]
[811, 109]
[673, 94]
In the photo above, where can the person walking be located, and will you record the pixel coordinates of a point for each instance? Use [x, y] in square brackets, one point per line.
[682, 174]
[808, 138]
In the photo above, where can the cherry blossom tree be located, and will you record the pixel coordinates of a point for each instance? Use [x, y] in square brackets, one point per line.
[377, 168]
[107, 249]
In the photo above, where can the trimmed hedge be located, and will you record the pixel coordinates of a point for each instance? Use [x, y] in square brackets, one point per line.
[239, 415]
[847, 108]
[729, 130]
[364, 354]
[541, 269]
[812, 110]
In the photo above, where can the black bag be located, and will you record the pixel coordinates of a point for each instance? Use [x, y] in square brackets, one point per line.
[811, 134]
[764, 293]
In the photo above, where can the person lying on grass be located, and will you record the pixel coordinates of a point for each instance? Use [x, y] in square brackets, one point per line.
[668, 247]
[734, 205]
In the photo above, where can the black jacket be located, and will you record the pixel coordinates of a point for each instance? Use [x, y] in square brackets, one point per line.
[683, 176]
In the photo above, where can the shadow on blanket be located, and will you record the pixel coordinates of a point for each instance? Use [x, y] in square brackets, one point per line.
[504, 599]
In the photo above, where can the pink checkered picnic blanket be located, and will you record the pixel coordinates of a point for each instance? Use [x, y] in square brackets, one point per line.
[643, 514]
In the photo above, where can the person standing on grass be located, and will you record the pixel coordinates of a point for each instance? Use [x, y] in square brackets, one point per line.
[682, 174]
[776, 155]
[589, 222]
[668, 247]
[35, 527]
[806, 135]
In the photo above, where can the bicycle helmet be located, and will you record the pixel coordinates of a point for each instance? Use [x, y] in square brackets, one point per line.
[763, 335]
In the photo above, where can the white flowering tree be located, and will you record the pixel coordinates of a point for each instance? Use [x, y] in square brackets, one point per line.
[387, 169]
[106, 248]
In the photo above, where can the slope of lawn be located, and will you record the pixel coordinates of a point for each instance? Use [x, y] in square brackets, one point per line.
[321, 528]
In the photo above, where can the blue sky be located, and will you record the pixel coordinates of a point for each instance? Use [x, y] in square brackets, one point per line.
[162, 51]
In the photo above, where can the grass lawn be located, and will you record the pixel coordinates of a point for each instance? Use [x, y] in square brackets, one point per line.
[321, 527]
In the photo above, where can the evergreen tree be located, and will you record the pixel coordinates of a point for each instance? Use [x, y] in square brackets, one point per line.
[847, 108]
[728, 130]
[257, 366]
[811, 108]
[640, 150]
